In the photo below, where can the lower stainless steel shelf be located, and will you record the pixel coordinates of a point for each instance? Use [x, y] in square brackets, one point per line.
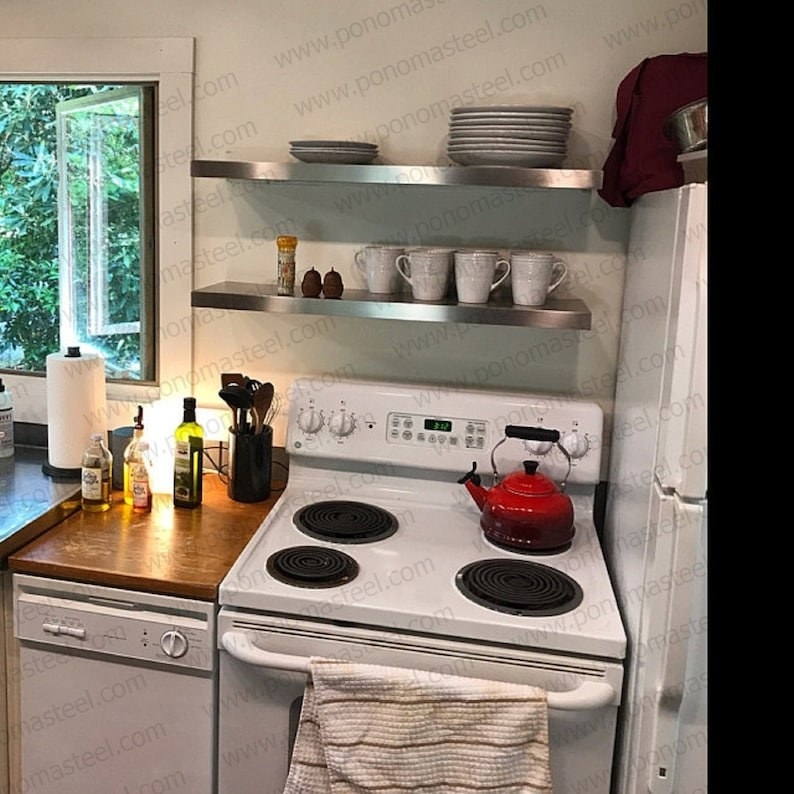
[246, 296]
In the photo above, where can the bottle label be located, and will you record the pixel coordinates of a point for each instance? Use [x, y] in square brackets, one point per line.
[182, 457]
[140, 491]
[92, 483]
[286, 273]
[7, 429]
[187, 470]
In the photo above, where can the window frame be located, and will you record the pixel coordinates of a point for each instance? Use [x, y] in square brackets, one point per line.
[169, 62]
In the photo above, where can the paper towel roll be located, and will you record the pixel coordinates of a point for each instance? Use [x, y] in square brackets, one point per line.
[76, 405]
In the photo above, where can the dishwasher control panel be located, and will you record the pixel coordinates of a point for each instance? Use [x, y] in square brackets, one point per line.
[101, 620]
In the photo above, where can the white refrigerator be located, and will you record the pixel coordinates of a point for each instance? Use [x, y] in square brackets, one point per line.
[655, 532]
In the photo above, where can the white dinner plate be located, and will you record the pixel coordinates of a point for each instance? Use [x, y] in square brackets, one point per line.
[508, 143]
[504, 147]
[513, 121]
[463, 109]
[534, 133]
[508, 158]
[523, 116]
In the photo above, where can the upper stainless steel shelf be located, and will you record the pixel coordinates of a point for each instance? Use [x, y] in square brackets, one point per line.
[483, 175]
[245, 296]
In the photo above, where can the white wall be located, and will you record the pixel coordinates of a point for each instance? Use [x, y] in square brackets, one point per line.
[270, 72]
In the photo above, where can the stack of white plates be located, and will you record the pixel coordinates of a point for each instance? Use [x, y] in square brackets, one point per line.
[530, 136]
[350, 152]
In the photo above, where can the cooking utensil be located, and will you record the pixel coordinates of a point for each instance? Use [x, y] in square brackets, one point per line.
[525, 510]
[689, 126]
[240, 400]
[272, 412]
[227, 378]
[262, 400]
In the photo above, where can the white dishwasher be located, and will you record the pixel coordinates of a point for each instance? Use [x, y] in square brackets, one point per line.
[118, 689]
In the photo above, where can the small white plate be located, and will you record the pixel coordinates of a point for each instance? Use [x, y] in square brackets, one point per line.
[332, 145]
[334, 156]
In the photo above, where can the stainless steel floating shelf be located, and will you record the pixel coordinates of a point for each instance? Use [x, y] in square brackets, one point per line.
[482, 175]
[246, 296]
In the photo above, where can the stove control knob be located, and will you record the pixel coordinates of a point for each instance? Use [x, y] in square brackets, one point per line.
[174, 643]
[577, 444]
[342, 424]
[310, 420]
[538, 447]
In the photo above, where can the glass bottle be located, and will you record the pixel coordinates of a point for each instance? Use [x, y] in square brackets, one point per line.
[286, 264]
[95, 476]
[6, 422]
[141, 480]
[188, 457]
[132, 454]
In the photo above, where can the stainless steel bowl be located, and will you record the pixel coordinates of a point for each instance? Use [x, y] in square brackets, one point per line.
[689, 126]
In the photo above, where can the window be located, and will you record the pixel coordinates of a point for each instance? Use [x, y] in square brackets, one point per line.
[92, 146]
[157, 70]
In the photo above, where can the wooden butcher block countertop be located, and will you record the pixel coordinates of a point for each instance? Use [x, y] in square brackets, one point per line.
[170, 550]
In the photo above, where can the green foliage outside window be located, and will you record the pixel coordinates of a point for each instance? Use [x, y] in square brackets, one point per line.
[29, 264]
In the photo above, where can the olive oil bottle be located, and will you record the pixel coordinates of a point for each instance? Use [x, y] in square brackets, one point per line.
[188, 458]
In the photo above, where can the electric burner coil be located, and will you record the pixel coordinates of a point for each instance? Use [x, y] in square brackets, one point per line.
[345, 522]
[519, 587]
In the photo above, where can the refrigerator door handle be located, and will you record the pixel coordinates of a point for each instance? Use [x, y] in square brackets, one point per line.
[672, 681]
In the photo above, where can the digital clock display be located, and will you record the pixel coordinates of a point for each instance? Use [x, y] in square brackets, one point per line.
[438, 425]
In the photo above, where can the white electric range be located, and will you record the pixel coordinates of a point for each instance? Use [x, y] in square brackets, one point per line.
[374, 553]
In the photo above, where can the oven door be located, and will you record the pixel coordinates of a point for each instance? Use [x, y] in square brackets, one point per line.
[262, 659]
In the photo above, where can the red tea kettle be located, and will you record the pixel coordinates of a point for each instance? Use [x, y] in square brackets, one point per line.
[526, 510]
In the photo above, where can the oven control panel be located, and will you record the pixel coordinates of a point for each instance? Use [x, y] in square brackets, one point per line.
[423, 431]
[350, 423]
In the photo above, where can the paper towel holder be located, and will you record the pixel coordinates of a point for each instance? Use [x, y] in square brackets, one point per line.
[57, 473]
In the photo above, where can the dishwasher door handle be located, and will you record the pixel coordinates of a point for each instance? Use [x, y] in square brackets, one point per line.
[587, 696]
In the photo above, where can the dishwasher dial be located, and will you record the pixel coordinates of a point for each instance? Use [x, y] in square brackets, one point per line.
[173, 643]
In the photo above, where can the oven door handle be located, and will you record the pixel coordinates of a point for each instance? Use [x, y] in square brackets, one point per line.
[587, 696]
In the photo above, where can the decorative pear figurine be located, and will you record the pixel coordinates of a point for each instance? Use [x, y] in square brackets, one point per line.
[332, 284]
[312, 284]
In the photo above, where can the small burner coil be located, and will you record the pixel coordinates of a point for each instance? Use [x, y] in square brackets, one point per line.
[312, 566]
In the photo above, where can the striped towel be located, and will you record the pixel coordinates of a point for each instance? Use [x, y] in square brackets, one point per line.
[367, 728]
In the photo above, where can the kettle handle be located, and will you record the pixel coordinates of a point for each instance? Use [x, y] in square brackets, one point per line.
[532, 433]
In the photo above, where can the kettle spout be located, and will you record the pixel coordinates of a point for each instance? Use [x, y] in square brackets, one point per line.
[472, 482]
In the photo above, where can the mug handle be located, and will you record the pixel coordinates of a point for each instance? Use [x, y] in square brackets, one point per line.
[504, 275]
[398, 262]
[360, 258]
[561, 270]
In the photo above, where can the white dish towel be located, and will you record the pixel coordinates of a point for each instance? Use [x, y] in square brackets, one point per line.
[369, 728]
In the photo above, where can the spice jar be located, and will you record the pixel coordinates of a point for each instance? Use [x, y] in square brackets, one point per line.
[286, 264]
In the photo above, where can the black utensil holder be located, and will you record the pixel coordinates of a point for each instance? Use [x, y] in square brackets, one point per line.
[250, 465]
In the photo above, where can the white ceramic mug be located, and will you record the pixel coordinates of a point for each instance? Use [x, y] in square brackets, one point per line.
[430, 269]
[376, 262]
[475, 275]
[535, 275]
